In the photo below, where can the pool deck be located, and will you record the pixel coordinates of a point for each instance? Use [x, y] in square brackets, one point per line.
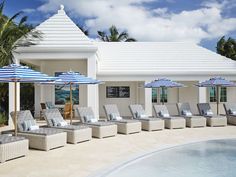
[90, 157]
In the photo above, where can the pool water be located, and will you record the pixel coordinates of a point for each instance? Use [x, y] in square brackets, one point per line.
[216, 158]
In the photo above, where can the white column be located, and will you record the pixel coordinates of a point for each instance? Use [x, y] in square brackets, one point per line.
[202, 94]
[148, 100]
[92, 90]
[12, 99]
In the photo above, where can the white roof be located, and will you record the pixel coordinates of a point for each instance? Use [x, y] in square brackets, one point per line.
[59, 31]
[140, 58]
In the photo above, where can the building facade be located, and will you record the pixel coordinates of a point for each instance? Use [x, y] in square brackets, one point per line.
[124, 68]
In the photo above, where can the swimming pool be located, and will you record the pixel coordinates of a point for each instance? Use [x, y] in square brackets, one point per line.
[216, 158]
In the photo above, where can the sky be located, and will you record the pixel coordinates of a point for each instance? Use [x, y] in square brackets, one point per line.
[203, 22]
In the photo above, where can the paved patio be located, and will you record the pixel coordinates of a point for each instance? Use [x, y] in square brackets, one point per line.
[87, 158]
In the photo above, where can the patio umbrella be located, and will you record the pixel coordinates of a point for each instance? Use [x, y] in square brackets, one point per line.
[74, 78]
[217, 82]
[17, 73]
[163, 83]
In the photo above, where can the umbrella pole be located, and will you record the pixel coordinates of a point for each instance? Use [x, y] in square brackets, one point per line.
[162, 91]
[217, 99]
[15, 108]
[71, 107]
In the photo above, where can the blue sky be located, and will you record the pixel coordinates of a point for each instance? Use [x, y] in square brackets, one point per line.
[198, 21]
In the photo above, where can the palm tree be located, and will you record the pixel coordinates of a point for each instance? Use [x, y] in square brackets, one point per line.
[227, 47]
[115, 36]
[14, 35]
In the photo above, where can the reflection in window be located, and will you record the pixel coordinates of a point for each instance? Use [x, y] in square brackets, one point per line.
[212, 94]
[223, 94]
[154, 95]
[163, 95]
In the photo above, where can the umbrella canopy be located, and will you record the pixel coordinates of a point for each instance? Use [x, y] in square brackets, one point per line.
[17, 73]
[74, 78]
[216, 82]
[71, 77]
[163, 83]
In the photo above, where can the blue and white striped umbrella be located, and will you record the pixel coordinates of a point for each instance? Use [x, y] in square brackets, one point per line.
[17, 73]
[73, 78]
[216, 82]
[163, 83]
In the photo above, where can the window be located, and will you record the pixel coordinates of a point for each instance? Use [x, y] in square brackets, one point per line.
[163, 95]
[154, 95]
[117, 92]
[212, 94]
[223, 94]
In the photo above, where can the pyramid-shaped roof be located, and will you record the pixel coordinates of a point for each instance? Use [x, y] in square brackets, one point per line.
[59, 31]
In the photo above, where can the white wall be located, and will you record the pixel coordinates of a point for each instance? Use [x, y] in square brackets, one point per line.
[50, 67]
[136, 96]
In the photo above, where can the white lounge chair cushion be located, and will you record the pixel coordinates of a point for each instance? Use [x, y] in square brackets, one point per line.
[164, 114]
[114, 116]
[62, 124]
[208, 113]
[55, 122]
[34, 127]
[93, 120]
[187, 113]
[118, 118]
[27, 124]
[140, 114]
[232, 112]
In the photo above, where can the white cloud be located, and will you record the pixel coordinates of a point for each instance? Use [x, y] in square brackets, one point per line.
[144, 24]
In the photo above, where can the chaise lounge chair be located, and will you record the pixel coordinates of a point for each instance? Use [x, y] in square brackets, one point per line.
[75, 133]
[12, 147]
[171, 122]
[230, 110]
[39, 138]
[212, 120]
[148, 123]
[125, 126]
[100, 129]
[192, 121]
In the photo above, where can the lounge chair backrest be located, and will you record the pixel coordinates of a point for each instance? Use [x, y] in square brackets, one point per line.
[111, 109]
[136, 108]
[183, 106]
[228, 106]
[203, 107]
[50, 114]
[50, 105]
[83, 112]
[160, 108]
[21, 117]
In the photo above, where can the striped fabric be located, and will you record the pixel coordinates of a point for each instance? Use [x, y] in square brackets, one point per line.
[216, 81]
[162, 82]
[19, 73]
[75, 78]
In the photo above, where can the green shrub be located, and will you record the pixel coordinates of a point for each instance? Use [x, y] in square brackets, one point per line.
[3, 119]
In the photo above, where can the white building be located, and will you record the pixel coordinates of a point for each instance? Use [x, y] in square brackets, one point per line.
[63, 47]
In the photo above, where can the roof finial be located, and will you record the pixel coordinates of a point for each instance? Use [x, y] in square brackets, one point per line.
[61, 11]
